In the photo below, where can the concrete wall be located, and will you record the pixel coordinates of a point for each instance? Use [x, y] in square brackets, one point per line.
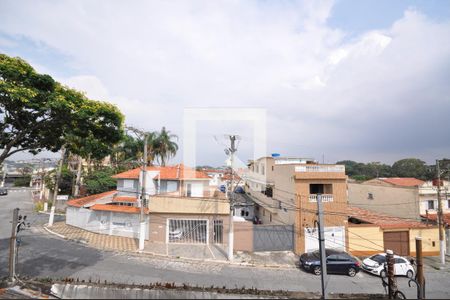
[429, 235]
[184, 205]
[243, 236]
[400, 202]
[104, 222]
[158, 225]
[365, 240]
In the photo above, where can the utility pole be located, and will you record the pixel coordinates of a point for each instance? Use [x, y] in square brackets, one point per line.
[419, 262]
[230, 152]
[5, 170]
[390, 274]
[55, 193]
[440, 216]
[143, 196]
[12, 246]
[78, 178]
[323, 257]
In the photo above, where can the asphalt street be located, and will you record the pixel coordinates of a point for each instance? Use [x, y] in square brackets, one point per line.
[44, 255]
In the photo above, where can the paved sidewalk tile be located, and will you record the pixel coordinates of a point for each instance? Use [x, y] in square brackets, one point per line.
[96, 240]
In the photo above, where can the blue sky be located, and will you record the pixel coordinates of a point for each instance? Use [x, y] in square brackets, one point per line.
[345, 79]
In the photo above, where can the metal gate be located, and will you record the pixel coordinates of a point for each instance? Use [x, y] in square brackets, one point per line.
[218, 231]
[187, 231]
[273, 237]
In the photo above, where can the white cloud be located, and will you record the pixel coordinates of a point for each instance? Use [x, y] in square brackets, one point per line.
[153, 59]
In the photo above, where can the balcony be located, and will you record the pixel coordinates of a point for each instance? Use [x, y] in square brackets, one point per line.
[325, 198]
[320, 169]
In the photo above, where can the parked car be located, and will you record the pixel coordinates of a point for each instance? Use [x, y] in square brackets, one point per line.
[239, 190]
[222, 188]
[3, 192]
[375, 265]
[338, 262]
[175, 234]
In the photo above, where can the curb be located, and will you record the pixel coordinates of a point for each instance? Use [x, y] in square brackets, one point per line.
[54, 233]
[224, 262]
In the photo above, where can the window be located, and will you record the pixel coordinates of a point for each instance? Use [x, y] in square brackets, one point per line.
[279, 204]
[448, 204]
[370, 196]
[264, 212]
[272, 168]
[256, 169]
[262, 169]
[320, 188]
[270, 217]
[129, 184]
[430, 204]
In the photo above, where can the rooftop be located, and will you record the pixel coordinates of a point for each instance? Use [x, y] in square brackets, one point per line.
[176, 172]
[382, 220]
[118, 208]
[403, 181]
[80, 202]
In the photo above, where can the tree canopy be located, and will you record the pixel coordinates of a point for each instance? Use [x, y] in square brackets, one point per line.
[409, 167]
[37, 113]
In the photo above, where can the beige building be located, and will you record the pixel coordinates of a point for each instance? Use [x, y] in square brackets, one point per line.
[285, 191]
[399, 197]
[393, 200]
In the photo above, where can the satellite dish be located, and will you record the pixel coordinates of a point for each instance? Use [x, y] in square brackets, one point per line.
[227, 152]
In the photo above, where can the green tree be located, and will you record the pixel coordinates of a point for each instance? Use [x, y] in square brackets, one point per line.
[37, 113]
[65, 183]
[410, 167]
[165, 147]
[100, 181]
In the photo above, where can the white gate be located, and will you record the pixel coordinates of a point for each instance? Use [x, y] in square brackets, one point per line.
[334, 238]
[187, 231]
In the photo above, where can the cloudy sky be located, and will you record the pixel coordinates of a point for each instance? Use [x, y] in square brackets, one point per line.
[361, 80]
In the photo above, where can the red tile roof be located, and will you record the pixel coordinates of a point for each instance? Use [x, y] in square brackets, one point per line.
[433, 217]
[80, 202]
[177, 172]
[118, 208]
[124, 199]
[403, 181]
[382, 220]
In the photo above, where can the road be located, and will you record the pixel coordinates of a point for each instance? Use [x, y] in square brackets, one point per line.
[44, 255]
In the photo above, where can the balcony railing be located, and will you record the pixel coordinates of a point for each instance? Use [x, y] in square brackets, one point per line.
[325, 198]
[321, 168]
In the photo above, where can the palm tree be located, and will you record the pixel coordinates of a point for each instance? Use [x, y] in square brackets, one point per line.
[165, 148]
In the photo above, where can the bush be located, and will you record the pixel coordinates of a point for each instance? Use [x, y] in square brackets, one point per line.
[39, 206]
[23, 181]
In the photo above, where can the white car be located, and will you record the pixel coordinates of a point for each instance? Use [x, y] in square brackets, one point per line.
[375, 265]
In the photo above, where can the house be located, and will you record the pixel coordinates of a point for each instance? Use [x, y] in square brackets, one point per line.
[428, 197]
[181, 207]
[285, 192]
[392, 196]
[371, 232]
[176, 180]
[415, 197]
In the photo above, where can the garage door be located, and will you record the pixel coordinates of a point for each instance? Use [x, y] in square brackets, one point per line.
[397, 241]
[334, 238]
[187, 231]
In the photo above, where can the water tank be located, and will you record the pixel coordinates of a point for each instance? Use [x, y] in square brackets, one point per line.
[275, 155]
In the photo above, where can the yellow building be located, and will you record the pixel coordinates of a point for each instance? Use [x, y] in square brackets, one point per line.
[372, 232]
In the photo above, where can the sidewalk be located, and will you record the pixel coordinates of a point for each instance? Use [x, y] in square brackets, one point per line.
[435, 263]
[214, 253]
